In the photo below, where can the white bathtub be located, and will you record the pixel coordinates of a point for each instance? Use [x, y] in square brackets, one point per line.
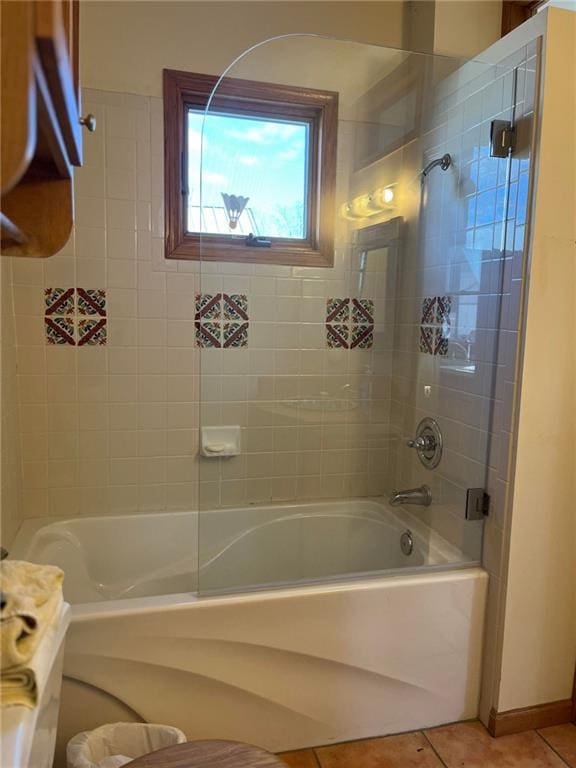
[284, 668]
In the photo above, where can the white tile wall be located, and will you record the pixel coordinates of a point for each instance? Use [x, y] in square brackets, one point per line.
[114, 429]
[10, 458]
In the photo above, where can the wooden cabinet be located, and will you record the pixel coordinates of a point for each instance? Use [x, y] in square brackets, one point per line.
[41, 137]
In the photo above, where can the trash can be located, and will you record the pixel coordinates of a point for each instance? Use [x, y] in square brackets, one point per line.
[116, 744]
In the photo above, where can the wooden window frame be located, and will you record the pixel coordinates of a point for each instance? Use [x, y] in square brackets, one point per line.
[516, 12]
[319, 108]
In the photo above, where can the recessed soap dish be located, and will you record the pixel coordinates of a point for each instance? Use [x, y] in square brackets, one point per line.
[216, 442]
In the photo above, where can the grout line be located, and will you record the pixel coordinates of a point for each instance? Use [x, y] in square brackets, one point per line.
[316, 759]
[433, 748]
[551, 747]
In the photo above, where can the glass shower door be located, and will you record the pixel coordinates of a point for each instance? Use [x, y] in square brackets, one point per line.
[314, 377]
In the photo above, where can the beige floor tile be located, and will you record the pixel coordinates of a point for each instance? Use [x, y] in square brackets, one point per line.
[469, 745]
[409, 750]
[562, 738]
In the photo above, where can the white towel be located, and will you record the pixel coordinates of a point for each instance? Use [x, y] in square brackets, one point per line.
[31, 604]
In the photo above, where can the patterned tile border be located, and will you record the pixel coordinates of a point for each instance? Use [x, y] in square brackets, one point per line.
[59, 330]
[92, 333]
[208, 306]
[208, 335]
[338, 311]
[91, 301]
[337, 336]
[235, 306]
[363, 311]
[59, 301]
[64, 313]
[221, 320]
[349, 323]
[435, 325]
[235, 335]
[362, 336]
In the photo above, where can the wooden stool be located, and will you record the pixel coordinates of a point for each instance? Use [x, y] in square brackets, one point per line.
[208, 754]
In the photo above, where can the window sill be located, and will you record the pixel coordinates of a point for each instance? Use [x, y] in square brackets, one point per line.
[280, 256]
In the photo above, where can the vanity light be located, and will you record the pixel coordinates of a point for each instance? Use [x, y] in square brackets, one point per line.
[347, 211]
[388, 195]
[383, 198]
[368, 205]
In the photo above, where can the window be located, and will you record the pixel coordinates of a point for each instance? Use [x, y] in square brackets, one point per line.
[252, 179]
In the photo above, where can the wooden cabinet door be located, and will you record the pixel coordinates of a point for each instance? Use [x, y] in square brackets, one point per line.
[56, 40]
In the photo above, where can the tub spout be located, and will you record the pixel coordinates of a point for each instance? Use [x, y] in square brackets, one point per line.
[421, 496]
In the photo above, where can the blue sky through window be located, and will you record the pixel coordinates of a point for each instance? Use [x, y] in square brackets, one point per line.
[263, 159]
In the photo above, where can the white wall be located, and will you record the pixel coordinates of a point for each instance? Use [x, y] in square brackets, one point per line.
[467, 27]
[539, 642]
[125, 45]
[10, 465]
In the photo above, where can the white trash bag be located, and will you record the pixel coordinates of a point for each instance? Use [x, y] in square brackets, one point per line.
[116, 744]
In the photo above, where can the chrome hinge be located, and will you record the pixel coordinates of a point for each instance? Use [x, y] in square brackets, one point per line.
[477, 504]
[502, 138]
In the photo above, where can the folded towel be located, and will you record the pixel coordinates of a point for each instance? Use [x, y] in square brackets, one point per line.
[18, 687]
[30, 603]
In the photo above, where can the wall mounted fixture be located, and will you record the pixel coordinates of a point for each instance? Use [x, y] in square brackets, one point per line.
[444, 162]
[364, 206]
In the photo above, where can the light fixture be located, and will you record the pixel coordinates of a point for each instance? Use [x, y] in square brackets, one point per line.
[388, 195]
[234, 205]
[347, 211]
[367, 205]
[382, 198]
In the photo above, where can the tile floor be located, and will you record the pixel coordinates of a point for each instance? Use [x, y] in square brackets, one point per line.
[463, 745]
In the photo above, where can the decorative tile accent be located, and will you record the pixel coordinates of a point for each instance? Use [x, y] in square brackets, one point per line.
[59, 301]
[337, 336]
[427, 339]
[64, 308]
[220, 320]
[91, 301]
[349, 323]
[362, 311]
[92, 333]
[235, 335]
[428, 310]
[208, 335]
[435, 325]
[443, 308]
[337, 310]
[235, 306]
[433, 341]
[362, 336]
[59, 330]
[208, 306]
[436, 310]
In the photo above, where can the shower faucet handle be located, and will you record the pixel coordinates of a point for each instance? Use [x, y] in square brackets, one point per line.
[423, 443]
[427, 443]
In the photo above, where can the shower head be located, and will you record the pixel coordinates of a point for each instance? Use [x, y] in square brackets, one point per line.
[444, 162]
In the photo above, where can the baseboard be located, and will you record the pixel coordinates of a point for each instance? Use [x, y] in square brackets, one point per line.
[574, 700]
[528, 718]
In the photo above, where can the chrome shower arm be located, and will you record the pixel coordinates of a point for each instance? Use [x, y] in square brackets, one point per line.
[444, 162]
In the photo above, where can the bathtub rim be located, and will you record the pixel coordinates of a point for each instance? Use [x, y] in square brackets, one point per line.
[136, 605]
